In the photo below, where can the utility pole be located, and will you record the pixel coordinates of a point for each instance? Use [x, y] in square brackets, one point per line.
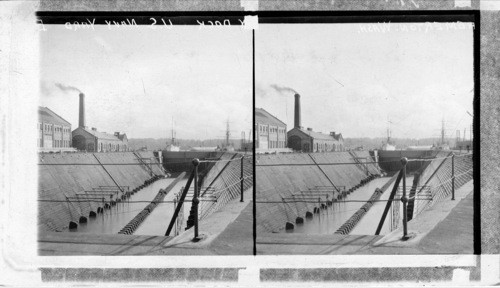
[470, 134]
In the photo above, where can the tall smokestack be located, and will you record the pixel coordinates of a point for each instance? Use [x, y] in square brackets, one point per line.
[297, 111]
[81, 120]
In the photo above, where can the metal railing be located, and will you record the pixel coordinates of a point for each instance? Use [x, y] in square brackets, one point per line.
[425, 193]
[194, 193]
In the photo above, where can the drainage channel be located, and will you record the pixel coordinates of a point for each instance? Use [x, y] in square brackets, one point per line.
[368, 224]
[157, 222]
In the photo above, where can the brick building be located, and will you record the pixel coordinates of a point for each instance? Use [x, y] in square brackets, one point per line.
[307, 140]
[270, 132]
[54, 133]
[91, 140]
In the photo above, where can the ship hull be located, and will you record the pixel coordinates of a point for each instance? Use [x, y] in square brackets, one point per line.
[390, 161]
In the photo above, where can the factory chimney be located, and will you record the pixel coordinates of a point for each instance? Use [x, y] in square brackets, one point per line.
[81, 120]
[297, 112]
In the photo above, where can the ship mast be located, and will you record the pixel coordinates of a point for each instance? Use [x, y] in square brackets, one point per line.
[173, 132]
[389, 132]
[227, 133]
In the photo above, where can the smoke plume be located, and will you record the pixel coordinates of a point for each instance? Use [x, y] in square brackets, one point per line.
[283, 89]
[66, 88]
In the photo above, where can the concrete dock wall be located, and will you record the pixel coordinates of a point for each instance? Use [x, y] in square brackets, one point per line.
[59, 184]
[372, 168]
[274, 183]
[437, 175]
[216, 168]
[224, 179]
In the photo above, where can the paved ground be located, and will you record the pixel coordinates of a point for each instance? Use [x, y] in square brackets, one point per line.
[226, 232]
[446, 228]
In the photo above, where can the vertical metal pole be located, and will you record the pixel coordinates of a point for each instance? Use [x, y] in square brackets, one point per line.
[404, 199]
[175, 206]
[319, 206]
[151, 167]
[241, 179]
[196, 201]
[453, 177]
[366, 167]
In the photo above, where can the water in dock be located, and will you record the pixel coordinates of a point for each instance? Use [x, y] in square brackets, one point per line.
[331, 218]
[114, 219]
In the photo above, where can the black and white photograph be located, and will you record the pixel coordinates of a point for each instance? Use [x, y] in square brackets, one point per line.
[249, 143]
[363, 138]
[144, 139]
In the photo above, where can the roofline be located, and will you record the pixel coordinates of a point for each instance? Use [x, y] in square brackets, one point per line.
[84, 131]
[56, 114]
[272, 115]
[301, 130]
[102, 138]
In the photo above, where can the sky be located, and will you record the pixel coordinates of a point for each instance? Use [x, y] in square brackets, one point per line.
[355, 78]
[137, 79]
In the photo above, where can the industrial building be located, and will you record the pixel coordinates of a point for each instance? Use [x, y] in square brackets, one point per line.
[91, 140]
[54, 133]
[307, 140]
[270, 132]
